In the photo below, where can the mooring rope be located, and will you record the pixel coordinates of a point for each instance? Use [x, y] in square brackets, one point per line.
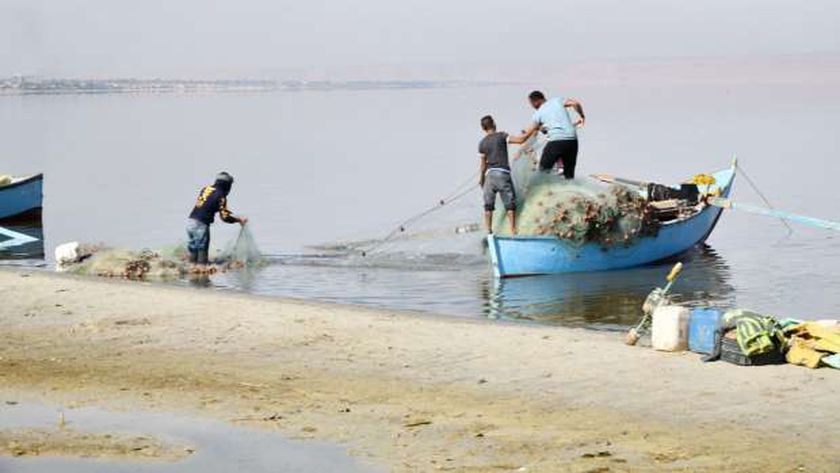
[761, 195]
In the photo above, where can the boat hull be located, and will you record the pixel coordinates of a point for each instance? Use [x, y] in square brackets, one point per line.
[22, 197]
[524, 256]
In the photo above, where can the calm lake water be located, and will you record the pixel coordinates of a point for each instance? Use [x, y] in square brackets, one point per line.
[326, 166]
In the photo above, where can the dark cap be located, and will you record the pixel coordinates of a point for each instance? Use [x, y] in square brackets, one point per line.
[224, 177]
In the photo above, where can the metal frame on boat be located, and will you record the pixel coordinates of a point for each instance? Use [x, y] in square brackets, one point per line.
[22, 197]
[514, 256]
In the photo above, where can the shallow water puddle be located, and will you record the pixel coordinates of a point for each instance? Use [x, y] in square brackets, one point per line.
[218, 447]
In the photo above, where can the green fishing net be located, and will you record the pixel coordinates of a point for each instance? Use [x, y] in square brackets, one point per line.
[243, 249]
[138, 265]
[165, 264]
[578, 211]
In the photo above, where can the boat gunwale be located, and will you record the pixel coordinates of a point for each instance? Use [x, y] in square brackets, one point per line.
[23, 181]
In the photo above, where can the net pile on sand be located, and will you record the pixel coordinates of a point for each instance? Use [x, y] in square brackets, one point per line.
[166, 264]
[117, 263]
[578, 211]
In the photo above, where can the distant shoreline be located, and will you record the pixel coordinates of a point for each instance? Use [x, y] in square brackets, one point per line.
[819, 70]
[56, 86]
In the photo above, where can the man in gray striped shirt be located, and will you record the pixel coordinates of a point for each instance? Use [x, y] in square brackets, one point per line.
[495, 174]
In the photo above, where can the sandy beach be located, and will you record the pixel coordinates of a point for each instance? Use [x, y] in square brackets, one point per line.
[404, 391]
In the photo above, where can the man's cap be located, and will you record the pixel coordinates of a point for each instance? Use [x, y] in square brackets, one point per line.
[224, 177]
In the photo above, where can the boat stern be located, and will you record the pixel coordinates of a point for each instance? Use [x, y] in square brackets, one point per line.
[493, 249]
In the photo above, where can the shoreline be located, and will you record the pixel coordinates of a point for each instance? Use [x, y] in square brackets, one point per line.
[408, 391]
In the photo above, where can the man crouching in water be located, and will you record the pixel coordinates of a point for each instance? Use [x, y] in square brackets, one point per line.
[495, 173]
[211, 199]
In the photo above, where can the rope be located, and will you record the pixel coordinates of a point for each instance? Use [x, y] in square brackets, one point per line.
[462, 190]
[761, 195]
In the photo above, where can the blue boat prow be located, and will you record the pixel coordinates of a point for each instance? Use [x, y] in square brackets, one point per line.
[22, 197]
[531, 255]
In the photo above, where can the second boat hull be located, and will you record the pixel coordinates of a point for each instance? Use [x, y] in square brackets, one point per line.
[21, 197]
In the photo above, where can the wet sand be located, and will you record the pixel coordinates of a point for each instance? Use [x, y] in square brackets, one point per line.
[409, 392]
[72, 443]
[97, 440]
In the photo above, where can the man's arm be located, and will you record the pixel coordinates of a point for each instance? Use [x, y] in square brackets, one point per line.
[482, 169]
[573, 103]
[523, 137]
[228, 216]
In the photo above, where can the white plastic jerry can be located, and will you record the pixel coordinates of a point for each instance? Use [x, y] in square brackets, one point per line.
[669, 331]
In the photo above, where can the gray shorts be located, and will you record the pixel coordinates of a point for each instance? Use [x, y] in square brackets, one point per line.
[498, 182]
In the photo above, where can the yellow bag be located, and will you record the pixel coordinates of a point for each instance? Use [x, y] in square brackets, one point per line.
[703, 180]
[5, 180]
[825, 338]
[801, 353]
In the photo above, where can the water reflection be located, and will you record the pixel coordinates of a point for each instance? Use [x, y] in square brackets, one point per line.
[244, 279]
[219, 447]
[607, 300]
[22, 240]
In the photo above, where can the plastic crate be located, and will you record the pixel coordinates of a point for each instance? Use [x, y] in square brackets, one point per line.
[701, 330]
[731, 352]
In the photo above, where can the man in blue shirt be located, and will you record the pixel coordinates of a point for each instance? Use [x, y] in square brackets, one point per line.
[552, 117]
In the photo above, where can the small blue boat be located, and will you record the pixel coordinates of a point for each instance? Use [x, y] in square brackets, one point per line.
[513, 256]
[21, 197]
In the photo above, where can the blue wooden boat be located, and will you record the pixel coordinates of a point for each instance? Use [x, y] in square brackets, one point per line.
[21, 197]
[532, 255]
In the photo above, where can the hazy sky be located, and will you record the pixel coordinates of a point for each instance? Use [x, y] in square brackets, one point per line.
[268, 37]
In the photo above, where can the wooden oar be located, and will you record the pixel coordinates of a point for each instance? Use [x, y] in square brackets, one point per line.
[792, 217]
[610, 179]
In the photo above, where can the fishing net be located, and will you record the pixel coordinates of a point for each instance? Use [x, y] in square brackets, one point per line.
[138, 265]
[242, 250]
[445, 235]
[578, 211]
[165, 264]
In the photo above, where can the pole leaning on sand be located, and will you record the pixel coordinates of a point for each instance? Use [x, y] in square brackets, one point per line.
[656, 298]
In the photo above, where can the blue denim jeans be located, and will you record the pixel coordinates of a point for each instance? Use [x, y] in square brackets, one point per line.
[198, 234]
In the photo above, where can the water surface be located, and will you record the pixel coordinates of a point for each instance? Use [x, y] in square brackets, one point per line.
[326, 166]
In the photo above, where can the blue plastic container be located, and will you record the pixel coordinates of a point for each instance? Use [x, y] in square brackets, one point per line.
[701, 329]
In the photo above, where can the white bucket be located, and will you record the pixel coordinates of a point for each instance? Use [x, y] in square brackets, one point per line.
[66, 254]
[670, 328]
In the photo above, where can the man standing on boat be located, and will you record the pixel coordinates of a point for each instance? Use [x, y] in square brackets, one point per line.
[211, 199]
[495, 173]
[552, 117]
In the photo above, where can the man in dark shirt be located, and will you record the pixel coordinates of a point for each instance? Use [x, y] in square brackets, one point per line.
[211, 199]
[495, 174]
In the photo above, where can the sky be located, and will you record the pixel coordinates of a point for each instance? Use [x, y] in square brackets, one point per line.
[208, 38]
